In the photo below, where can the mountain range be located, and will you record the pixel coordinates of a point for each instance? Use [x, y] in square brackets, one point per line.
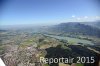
[80, 28]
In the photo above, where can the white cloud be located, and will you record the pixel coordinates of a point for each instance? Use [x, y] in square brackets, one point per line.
[97, 17]
[73, 16]
[85, 17]
[78, 18]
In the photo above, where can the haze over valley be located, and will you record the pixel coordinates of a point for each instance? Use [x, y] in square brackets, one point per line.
[51, 29]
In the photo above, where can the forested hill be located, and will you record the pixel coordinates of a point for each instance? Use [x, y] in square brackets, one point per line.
[3, 30]
[76, 28]
[94, 24]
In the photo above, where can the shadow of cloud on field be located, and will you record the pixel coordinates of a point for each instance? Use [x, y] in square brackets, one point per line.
[72, 51]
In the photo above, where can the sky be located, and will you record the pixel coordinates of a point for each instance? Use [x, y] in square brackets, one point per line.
[48, 12]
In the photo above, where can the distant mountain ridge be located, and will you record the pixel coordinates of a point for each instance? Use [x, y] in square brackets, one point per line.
[94, 24]
[3, 30]
[76, 28]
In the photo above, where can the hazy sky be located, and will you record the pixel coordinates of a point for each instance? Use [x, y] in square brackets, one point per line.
[38, 12]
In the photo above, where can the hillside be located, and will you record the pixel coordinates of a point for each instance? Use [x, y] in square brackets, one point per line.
[93, 24]
[76, 28]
